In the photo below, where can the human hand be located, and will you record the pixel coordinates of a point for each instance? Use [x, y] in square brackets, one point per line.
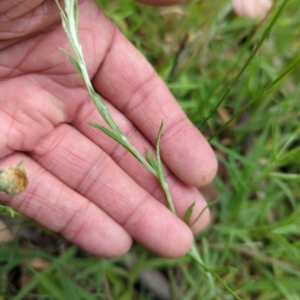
[83, 184]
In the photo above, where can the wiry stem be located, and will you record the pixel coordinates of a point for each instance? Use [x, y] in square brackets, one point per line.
[70, 25]
[154, 165]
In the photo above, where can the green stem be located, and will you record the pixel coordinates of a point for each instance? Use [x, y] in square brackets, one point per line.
[194, 254]
[70, 24]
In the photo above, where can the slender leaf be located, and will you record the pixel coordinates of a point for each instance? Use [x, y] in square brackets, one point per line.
[188, 213]
[105, 130]
[150, 159]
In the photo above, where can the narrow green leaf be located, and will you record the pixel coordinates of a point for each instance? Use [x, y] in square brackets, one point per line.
[295, 63]
[203, 210]
[62, 12]
[76, 14]
[72, 60]
[150, 159]
[105, 130]
[285, 176]
[50, 285]
[288, 229]
[188, 213]
[232, 269]
[158, 159]
[4, 209]
[160, 174]
[100, 105]
[69, 287]
[57, 263]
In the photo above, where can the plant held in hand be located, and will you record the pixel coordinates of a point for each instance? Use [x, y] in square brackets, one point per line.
[152, 163]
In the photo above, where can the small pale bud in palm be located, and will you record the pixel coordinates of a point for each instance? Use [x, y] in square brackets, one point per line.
[13, 180]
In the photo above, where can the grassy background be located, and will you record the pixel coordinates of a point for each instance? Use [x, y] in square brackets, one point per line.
[237, 79]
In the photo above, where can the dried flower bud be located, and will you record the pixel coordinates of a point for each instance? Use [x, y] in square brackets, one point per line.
[13, 180]
[251, 8]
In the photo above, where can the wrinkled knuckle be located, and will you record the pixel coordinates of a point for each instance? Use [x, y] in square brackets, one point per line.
[135, 216]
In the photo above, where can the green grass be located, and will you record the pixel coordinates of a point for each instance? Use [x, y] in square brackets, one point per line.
[205, 54]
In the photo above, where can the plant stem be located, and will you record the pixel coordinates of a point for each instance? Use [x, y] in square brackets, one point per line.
[70, 24]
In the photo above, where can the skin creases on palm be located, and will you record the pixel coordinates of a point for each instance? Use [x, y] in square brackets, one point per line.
[43, 110]
[19, 20]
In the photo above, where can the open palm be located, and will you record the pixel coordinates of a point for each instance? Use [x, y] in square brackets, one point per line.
[82, 184]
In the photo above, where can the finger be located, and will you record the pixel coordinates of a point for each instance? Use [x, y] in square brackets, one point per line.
[127, 80]
[80, 164]
[182, 194]
[57, 207]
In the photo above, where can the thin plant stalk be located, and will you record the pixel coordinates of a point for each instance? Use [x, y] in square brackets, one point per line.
[240, 73]
[153, 164]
